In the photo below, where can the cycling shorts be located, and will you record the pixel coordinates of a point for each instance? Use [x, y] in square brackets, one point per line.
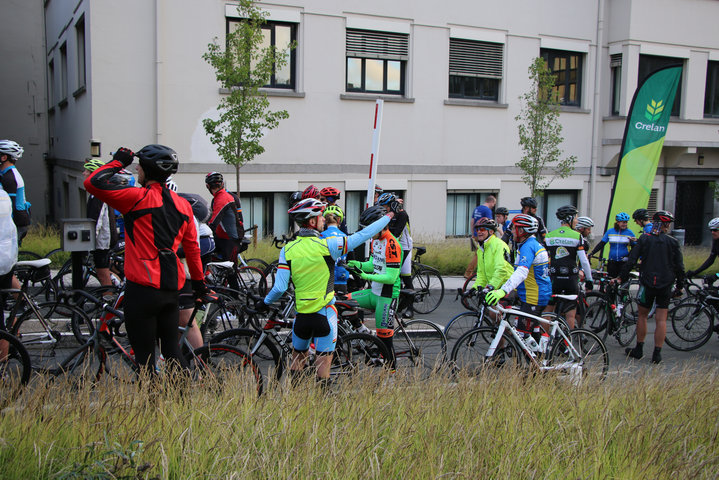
[384, 308]
[320, 326]
[101, 258]
[527, 324]
[187, 299]
[647, 295]
[564, 286]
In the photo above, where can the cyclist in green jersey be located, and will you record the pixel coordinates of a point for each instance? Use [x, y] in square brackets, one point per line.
[493, 265]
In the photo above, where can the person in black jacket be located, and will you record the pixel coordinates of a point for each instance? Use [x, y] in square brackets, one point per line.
[662, 265]
[714, 227]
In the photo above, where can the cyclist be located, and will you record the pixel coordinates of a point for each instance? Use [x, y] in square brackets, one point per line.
[662, 265]
[309, 262]
[620, 238]
[399, 227]
[105, 227]
[157, 221]
[529, 206]
[641, 218]
[566, 246]
[13, 183]
[383, 271]
[484, 210]
[493, 265]
[377, 192]
[584, 227]
[531, 273]
[330, 195]
[333, 218]
[311, 192]
[501, 215]
[714, 227]
[8, 258]
[226, 218]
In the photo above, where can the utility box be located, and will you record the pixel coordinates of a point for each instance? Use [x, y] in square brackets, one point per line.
[78, 234]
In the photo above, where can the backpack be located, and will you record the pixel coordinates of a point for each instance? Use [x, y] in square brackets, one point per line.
[8, 235]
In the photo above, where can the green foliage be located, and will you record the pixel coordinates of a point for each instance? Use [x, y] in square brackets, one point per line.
[540, 133]
[242, 66]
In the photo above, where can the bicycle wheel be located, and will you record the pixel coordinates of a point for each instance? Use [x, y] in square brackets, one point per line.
[626, 329]
[220, 364]
[419, 345]
[462, 323]
[27, 255]
[359, 354]
[45, 331]
[15, 367]
[468, 283]
[471, 355]
[589, 358]
[253, 279]
[691, 326]
[265, 354]
[429, 289]
[257, 263]
[596, 318]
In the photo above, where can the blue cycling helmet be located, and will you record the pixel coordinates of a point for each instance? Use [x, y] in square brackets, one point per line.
[386, 199]
[622, 217]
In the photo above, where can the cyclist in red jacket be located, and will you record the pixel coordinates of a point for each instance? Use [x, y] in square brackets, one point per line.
[157, 221]
[225, 218]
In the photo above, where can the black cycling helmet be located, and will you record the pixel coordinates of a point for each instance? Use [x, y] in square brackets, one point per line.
[640, 214]
[214, 179]
[567, 213]
[485, 222]
[158, 162]
[294, 198]
[663, 216]
[501, 211]
[528, 202]
[371, 215]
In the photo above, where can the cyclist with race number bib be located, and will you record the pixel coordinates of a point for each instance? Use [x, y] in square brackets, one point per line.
[309, 261]
[531, 273]
[566, 248]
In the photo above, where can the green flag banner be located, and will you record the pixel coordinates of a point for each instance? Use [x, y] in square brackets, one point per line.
[642, 143]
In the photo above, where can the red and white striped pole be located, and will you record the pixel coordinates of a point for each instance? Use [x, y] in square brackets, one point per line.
[374, 155]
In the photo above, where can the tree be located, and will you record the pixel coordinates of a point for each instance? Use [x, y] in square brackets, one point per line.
[540, 133]
[242, 66]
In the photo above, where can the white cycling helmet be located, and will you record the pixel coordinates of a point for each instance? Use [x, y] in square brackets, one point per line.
[11, 148]
[714, 223]
[584, 222]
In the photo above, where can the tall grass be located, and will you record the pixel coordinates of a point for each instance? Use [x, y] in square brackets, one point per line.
[650, 425]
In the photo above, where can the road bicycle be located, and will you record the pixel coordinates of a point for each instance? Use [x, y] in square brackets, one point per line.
[690, 322]
[613, 313]
[580, 354]
[427, 283]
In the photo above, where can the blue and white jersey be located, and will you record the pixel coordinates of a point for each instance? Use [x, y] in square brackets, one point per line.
[619, 242]
[537, 287]
[341, 273]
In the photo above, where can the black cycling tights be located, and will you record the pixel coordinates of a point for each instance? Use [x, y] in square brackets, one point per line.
[152, 315]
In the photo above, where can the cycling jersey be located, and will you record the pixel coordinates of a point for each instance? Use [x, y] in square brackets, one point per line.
[386, 261]
[619, 243]
[712, 256]
[341, 273]
[565, 246]
[493, 265]
[647, 228]
[14, 185]
[662, 262]
[157, 221]
[399, 227]
[531, 274]
[225, 218]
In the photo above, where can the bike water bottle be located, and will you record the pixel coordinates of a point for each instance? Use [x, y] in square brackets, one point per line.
[531, 343]
[543, 342]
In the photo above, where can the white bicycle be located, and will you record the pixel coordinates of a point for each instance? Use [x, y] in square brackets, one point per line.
[580, 354]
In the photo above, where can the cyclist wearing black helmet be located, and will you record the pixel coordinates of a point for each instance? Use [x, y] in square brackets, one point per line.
[641, 218]
[566, 250]
[662, 265]
[158, 221]
[529, 206]
[225, 218]
[309, 261]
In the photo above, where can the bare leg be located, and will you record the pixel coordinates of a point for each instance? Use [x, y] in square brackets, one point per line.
[194, 336]
[661, 331]
[643, 314]
[324, 362]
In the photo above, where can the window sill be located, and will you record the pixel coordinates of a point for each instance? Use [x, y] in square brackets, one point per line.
[62, 103]
[466, 102]
[569, 109]
[79, 91]
[272, 92]
[373, 96]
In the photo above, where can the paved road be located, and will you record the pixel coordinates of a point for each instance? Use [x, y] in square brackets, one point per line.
[672, 359]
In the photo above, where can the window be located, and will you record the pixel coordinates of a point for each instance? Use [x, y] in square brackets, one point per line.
[376, 61]
[460, 207]
[552, 200]
[615, 65]
[257, 210]
[711, 95]
[567, 66]
[52, 94]
[475, 69]
[280, 36]
[80, 38]
[63, 73]
[649, 64]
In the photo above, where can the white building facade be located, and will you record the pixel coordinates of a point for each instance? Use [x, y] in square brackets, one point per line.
[451, 80]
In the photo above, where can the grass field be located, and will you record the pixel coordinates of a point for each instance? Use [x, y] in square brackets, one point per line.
[651, 426]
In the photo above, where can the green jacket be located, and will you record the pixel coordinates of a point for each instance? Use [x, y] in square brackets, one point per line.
[493, 265]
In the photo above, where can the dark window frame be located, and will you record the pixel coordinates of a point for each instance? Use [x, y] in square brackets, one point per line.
[80, 34]
[385, 90]
[270, 25]
[616, 86]
[549, 55]
[478, 61]
[711, 92]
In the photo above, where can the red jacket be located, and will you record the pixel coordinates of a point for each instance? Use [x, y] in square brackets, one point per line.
[224, 206]
[157, 220]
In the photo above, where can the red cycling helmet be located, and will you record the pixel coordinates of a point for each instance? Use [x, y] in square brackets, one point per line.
[330, 192]
[311, 192]
[526, 222]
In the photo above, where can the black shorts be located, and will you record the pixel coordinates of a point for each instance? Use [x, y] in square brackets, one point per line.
[647, 295]
[525, 324]
[186, 300]
[614, 268]
[564, 286]
[101, 258]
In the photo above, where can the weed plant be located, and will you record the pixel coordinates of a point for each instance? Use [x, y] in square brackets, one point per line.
[507, 425]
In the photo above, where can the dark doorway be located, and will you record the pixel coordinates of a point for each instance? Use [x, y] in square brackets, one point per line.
[690, 210]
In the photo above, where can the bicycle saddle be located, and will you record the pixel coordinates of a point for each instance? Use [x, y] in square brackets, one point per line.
[43, 262]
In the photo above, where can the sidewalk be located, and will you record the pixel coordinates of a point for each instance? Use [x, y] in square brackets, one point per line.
[452, 283]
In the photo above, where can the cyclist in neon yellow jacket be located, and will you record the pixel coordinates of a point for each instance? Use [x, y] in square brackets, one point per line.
[493, 265]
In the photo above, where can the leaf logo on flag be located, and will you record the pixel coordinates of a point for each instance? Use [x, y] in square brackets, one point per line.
[654, 110]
